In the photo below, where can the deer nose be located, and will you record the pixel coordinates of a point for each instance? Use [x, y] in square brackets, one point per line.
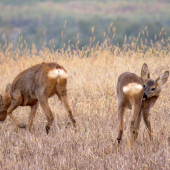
[145, 96]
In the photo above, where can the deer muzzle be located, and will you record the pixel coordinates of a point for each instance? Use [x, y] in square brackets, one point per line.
[145, 96]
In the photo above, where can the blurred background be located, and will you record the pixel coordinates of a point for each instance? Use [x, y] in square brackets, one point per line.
[78, 23]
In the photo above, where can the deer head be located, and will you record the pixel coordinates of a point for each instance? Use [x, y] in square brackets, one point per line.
[152, 87]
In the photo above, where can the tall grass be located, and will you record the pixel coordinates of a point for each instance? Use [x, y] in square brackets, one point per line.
[92, 97]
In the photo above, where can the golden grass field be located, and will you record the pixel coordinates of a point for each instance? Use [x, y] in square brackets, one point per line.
[92, 98]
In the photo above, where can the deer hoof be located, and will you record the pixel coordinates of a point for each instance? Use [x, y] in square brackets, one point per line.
[118, 140]
[134, 131]
[23, 126]
[47, 129]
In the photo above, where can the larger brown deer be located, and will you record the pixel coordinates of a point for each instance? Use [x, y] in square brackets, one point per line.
[138, 94]
[35, 85]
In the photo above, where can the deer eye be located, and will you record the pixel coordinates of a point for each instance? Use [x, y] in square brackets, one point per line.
[152, 89]
[144, 86]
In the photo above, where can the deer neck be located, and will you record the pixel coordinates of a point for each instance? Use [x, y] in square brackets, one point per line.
[148, 103]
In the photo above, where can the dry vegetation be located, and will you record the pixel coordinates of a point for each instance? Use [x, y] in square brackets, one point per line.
[92, 97]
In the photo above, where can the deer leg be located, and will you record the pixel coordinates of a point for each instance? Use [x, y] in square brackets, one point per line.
[121, 110]
[64, 100]
[44, 104]
[135, 122]
[32, 115]
[138, 125]
[14, 105]
[66, 105]
[147, 122]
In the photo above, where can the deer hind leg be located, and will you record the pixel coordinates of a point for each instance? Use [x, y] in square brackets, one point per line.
[135, 121]
[65, 102]
[63, 98]
[138, 125]
[32, 115]
[147, 123]
[14, 104]
[43, 100]
[121, 110]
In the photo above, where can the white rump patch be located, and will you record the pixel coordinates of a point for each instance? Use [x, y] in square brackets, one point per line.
[139, 86]
[57, 73]
[132, 88]
[126, 89]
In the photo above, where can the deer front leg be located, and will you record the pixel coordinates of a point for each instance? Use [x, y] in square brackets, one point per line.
[32, 115]
[147, 122]
[14, 105]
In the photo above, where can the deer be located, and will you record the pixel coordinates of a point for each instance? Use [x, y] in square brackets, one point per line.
[34, 86]
[138, 94]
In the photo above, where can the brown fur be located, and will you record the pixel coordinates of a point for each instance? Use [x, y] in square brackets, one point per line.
[139, 103]
[128, 101]
[152, 90]
[33, 86]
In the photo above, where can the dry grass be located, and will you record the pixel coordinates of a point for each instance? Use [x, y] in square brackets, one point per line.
[92, 97]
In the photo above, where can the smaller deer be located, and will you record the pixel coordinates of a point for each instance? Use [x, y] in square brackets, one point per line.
[138, 94]
[32, 86]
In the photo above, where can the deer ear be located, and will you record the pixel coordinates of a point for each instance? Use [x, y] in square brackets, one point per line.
[162, 78]
[7, 87]
[145, 74]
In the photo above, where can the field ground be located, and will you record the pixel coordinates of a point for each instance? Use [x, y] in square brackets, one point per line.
[92, 97]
